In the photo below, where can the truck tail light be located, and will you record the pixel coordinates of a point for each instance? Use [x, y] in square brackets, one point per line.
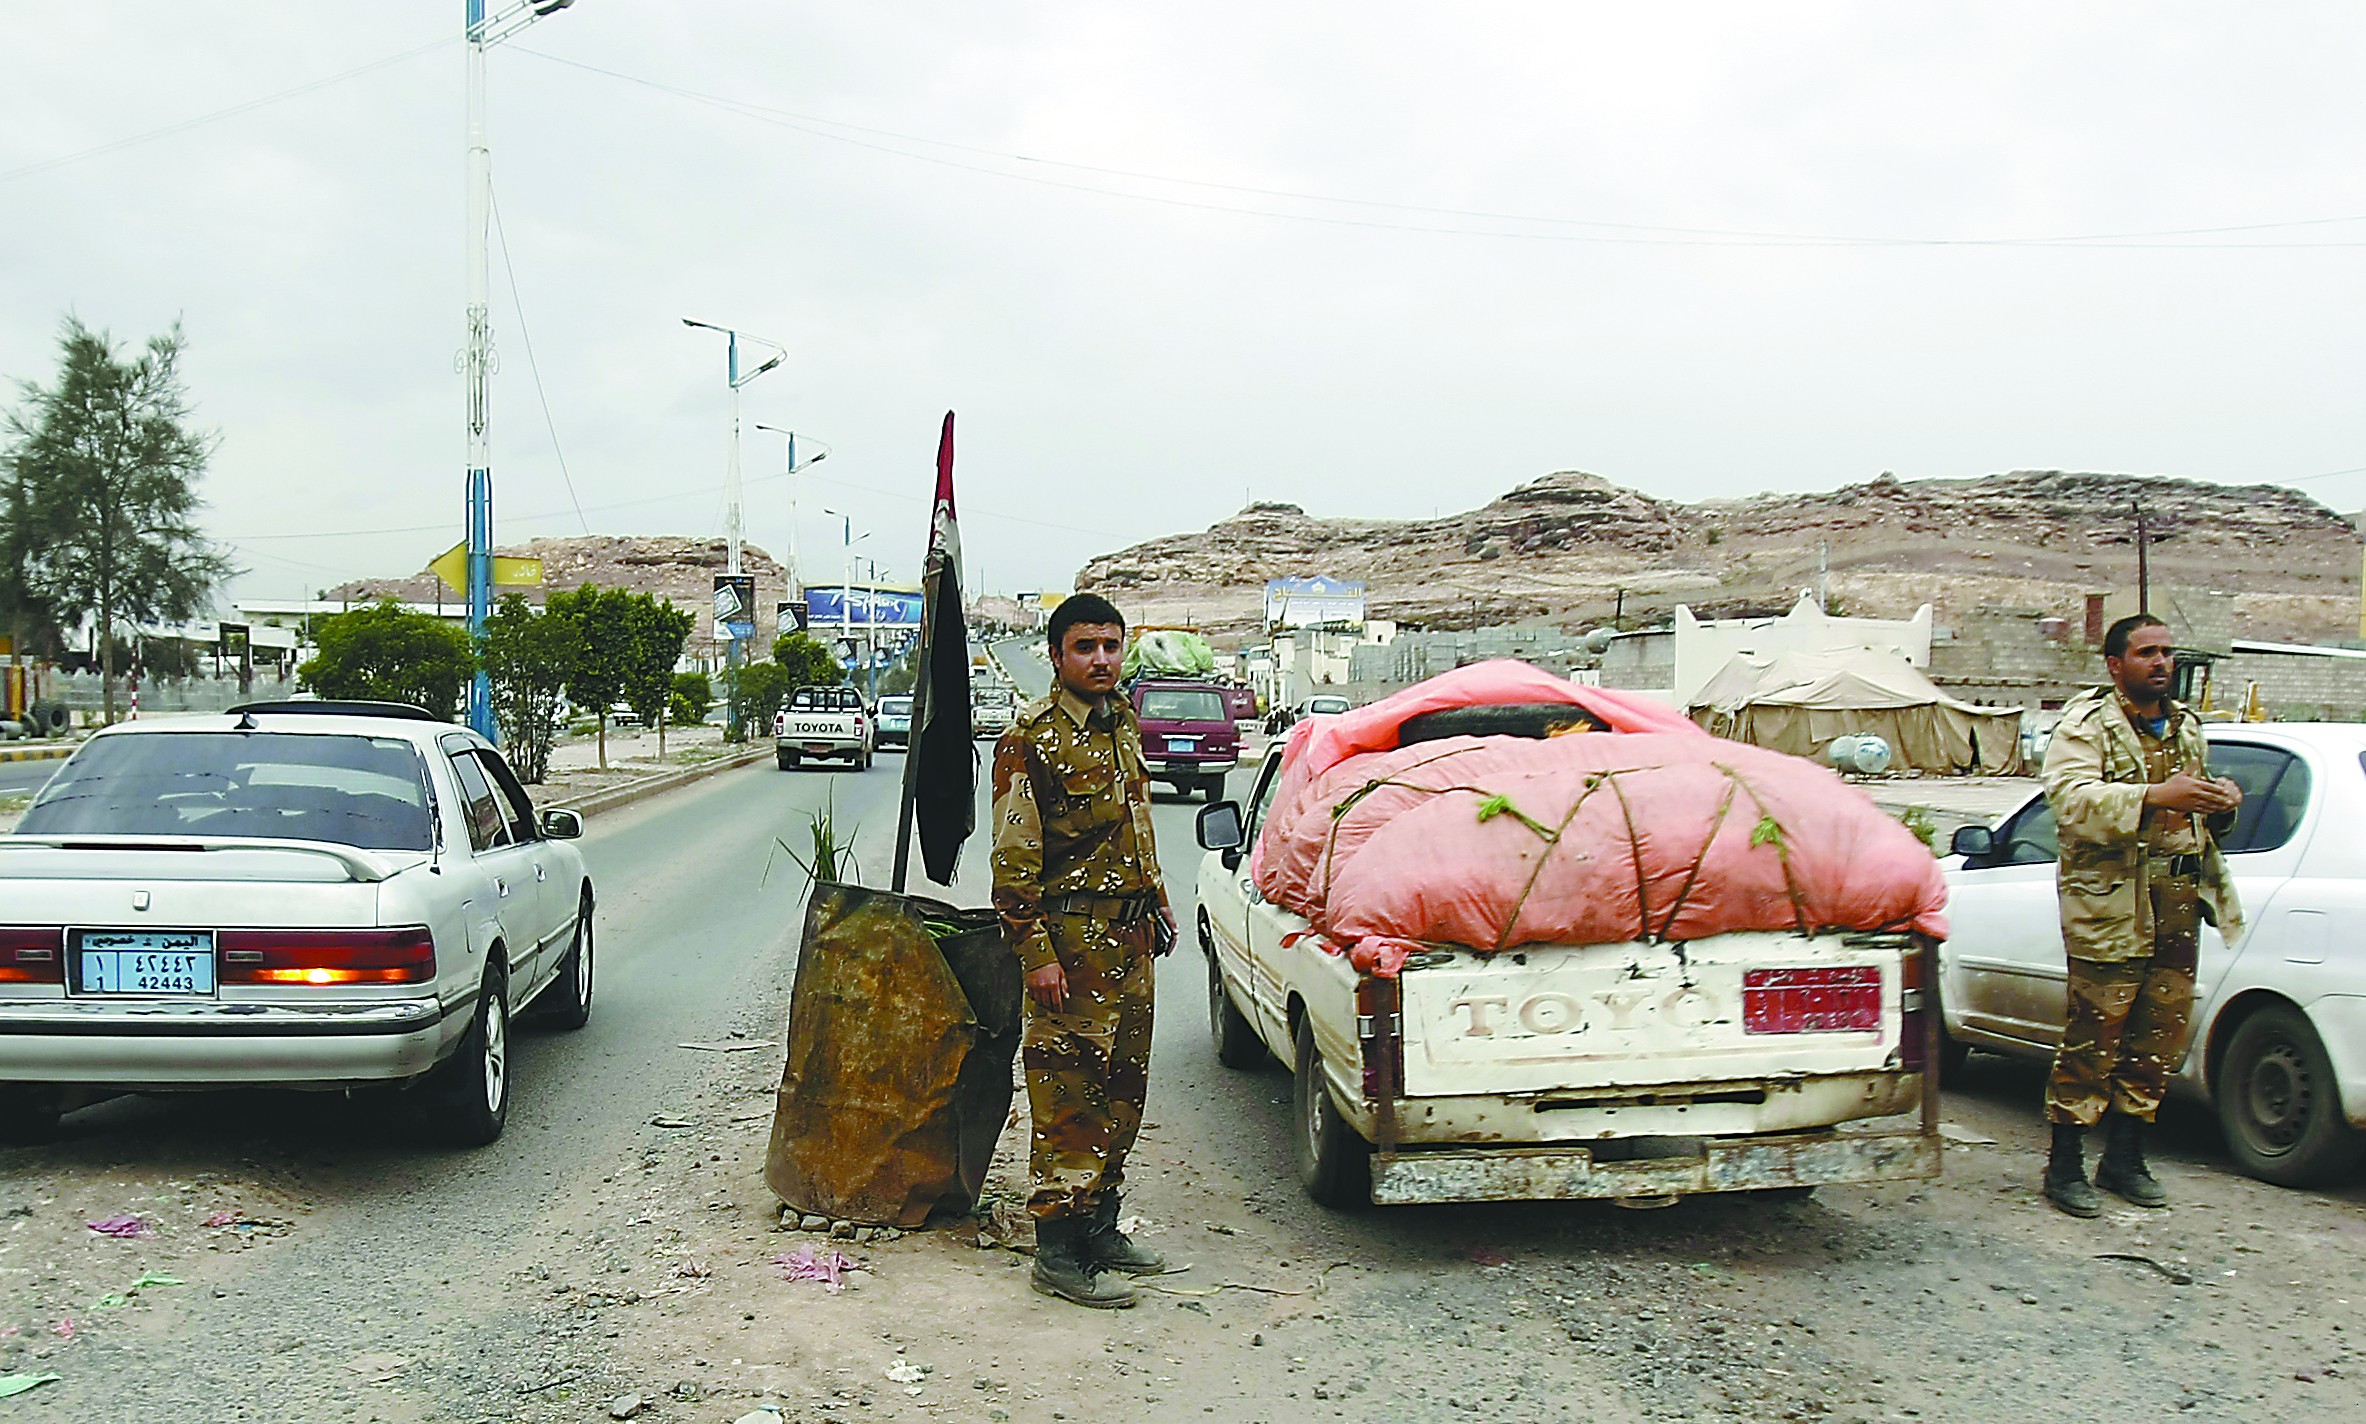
[1841, 999]
[32, 954]
[373, 956]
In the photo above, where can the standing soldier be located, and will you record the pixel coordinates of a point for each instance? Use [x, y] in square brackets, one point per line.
[1077, 882]
[2128, 777]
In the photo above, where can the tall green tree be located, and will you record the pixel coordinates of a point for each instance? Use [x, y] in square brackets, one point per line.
[108, 467]
[384, 652]
[658, 631]
[603, 619]
[808, 660]
[528, 657]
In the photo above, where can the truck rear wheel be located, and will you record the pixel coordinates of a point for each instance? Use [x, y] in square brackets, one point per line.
[1334, 1162]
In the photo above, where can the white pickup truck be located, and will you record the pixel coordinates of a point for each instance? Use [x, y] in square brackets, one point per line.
[1739, 1062]
[824, 722]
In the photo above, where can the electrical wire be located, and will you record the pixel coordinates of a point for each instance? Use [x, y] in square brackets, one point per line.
[247, 107]
[1613, 232]
[526, 334]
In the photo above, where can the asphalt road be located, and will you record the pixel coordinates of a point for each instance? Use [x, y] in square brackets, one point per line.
[23, 776]
[418, 1283]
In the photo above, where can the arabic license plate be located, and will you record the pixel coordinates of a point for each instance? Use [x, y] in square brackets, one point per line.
[1182, 744]
[144, 962]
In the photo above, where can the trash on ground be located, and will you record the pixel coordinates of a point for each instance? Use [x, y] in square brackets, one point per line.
[807, 1264]
[64, 1329]
[13, 1385]
[2172, 1274]
[128, 1294]
[729, 1045]
[905, 1372]
[662, 1121]
[124, 1227]
[1136, 1225]
[761, 1414]
[1964, 1135]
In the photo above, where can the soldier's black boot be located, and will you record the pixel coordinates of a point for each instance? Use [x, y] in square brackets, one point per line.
[2066, 1174]
[1113, 1249]
[2122, 1171]
[1063, 1269]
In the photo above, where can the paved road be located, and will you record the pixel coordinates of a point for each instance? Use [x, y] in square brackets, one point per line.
[22, 776]
[1024, 660]
[1860, 1305]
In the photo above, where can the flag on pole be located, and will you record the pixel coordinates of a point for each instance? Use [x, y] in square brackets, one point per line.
[940, 771]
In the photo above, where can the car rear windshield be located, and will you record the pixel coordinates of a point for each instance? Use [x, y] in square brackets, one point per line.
[1182, 704]
[895, 706]
[347, 790]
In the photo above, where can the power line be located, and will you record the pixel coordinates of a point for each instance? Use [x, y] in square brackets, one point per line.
[518, 304]
[249, 106]
[1627, 233]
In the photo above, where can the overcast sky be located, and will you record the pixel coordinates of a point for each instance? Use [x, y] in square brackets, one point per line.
[1375, 259]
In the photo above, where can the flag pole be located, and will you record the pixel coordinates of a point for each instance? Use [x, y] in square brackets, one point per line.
[930, 582]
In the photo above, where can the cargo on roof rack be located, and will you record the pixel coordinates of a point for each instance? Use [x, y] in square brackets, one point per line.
[394, 711]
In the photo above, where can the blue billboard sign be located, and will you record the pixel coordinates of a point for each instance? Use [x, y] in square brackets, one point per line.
[858, 607]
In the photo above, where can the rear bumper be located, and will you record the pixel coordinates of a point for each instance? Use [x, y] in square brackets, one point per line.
[785, 747]
[1697, 1166]
[215, 1044]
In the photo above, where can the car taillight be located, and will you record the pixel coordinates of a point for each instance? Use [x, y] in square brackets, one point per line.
[1843, 999]
[373, 956]
[32, 954]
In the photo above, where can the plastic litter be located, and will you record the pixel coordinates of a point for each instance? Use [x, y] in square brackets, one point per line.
[761, 1414]
[807, 1264]
[905, 1372]
[14, 1385]
[124, 1228]
[147, 1281]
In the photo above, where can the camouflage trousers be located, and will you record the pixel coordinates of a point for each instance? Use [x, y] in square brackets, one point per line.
[1088, 1066]
[2129, 1019]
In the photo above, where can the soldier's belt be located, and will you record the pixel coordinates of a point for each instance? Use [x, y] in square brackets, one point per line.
[1123, 909]
[2178, 867]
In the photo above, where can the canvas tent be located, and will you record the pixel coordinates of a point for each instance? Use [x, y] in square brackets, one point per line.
[1800, 702]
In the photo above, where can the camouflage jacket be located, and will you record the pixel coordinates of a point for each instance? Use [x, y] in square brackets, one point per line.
[1071, 814]
[2112, 844]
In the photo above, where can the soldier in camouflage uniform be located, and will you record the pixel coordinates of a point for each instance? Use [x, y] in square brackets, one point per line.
[1076, 880]
[2128, 776]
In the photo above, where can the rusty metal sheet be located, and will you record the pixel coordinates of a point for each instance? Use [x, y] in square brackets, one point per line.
[897, 1078]
[1563, 1173]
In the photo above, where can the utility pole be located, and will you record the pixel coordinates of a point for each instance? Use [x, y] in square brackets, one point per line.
[1823, 576]
[2143, 559]
[733, 516]
[789, 467]
[476, 357]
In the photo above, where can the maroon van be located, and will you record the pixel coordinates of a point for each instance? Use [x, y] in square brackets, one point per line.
[1187, 734]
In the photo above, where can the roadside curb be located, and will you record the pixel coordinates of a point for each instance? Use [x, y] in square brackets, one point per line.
[658, 785]
[36, 753]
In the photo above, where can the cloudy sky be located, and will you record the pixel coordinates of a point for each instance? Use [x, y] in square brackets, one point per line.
[1377, 259]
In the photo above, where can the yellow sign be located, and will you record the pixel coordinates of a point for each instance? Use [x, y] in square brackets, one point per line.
[452, 567]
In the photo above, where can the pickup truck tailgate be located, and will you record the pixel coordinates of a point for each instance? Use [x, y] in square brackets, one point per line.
[1736, 1007]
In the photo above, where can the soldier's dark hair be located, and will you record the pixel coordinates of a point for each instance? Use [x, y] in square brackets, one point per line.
[1081, 608]
[2115, 638]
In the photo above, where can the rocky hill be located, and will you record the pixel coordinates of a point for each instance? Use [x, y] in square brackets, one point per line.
[1571, 548]
[676, 568]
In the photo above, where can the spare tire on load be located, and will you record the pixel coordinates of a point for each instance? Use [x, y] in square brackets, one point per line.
[1499, 719]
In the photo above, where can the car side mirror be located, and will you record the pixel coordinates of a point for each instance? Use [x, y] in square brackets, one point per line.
[1973, 842]
[562, 825]
[1219, 826]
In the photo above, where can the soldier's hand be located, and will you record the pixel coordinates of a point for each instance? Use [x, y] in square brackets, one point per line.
[1048, 987]
[2200, 795]
[1165, 943]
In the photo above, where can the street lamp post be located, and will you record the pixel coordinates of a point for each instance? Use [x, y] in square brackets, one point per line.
[871, 627]
[476, 357]
[733, 519]
[846, 588]
[789, 466]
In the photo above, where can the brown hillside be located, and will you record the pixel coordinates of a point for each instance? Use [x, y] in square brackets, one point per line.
[1560, 549]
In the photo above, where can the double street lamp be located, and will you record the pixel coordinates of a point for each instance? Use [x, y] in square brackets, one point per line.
[846, 589]
[733, 519]
[789, 466]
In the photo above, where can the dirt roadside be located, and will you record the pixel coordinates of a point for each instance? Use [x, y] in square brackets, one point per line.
[1859, 1304]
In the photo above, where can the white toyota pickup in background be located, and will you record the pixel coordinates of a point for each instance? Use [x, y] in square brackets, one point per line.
[1736, 1062]
[824, 722]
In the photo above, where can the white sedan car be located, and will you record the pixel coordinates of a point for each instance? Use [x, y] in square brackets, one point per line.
[299, 894]
[2279, 1044]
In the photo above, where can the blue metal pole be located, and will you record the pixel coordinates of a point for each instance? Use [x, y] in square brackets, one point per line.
[477, 361]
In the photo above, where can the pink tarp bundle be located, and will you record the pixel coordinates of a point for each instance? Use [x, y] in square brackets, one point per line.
[1652, 830]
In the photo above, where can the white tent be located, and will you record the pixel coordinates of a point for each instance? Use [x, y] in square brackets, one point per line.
[1801, 702]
